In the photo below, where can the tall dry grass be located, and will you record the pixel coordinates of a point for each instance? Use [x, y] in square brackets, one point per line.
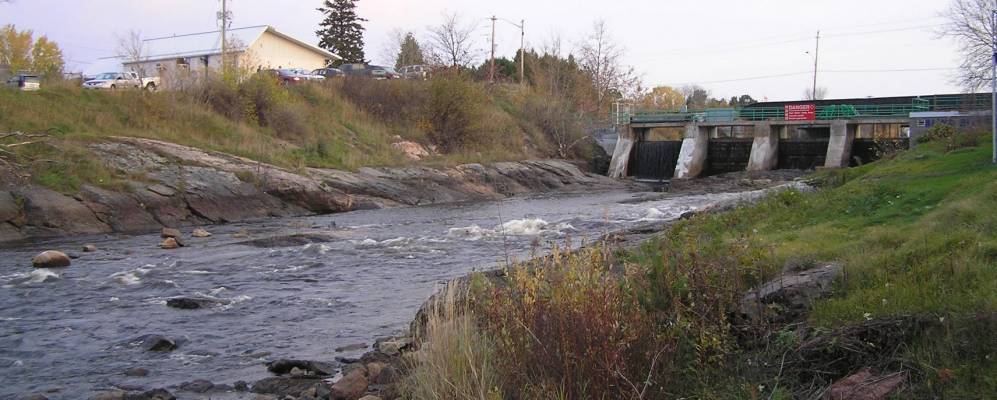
[456, 360]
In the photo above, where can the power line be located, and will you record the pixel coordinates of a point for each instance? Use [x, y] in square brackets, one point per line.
[801, 73]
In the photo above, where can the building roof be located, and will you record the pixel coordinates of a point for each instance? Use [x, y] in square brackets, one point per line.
[209, 43]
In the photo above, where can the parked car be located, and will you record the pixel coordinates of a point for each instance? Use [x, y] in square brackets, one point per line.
[328, 72]
[121, 80]
[26, 82]
[370, 71]
[293, 76]
[416, 72]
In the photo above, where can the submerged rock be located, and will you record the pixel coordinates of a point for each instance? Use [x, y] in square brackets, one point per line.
[51, 259]
[190, 303]
[197, 386]
[137, 372]
[89, 248]
[200, 233]
[300, 239]
[157, 343]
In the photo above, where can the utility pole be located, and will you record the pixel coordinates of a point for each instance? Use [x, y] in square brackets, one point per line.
[224, 17]
[522, 51]
[816, 54]
[492, 74]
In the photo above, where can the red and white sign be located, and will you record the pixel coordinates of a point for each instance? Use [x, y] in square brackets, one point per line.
[801, 112]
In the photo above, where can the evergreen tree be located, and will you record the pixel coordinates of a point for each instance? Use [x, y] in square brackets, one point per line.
[341, 31]
[409, 53]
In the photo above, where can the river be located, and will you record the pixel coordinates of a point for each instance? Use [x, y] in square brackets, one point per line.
[75, 330]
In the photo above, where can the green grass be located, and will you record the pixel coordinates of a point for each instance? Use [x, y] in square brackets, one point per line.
[918, 236]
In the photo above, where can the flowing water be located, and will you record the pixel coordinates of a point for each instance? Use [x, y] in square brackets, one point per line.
[75, 330]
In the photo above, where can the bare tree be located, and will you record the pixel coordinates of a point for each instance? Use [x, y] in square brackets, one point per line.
[451, 42]
[602, 59]
[810, 94]
[971, 26]
[392, 45]
[132, 50]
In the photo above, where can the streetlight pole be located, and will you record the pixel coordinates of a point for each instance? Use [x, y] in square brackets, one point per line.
[522, 51]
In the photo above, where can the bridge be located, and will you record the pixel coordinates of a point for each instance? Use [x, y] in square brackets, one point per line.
[681, 144]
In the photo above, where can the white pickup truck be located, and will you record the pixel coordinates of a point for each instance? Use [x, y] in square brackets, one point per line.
[121, 80]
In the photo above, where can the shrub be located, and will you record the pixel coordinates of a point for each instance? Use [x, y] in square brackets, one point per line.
[452, 113]
[937, 132]
[565, 327]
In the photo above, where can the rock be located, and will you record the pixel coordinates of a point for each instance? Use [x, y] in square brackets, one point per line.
[788, 296]
[393, 346]
[412, 150]
[285, 386]
[197, 386]
[863, 385]
[155, 394]
[190, 303]
[285, 366]
[351, 387]
[200, 233]
[35, 397]
[10, 210]
[161, 190]
[89, 248]
[170, 244]
[108, 395]
[158, 343]
[240, 386]
[121, 210]
[370, 397]
[51, 259]
[170, 233]
[48, 213]
[351, 347]
[137, 372]
[374, 370]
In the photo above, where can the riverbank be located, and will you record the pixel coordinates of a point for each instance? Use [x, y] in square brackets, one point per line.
[170, 185]
[881, 283]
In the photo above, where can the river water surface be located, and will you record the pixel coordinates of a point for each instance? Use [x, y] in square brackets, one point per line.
[72, 331]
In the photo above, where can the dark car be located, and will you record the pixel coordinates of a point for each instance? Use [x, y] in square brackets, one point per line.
[370, 71]
[328, 72]
[291, 76]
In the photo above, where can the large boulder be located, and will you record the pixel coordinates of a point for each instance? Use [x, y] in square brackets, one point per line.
[51, 259]
[10, 209]
[350, 387]
[282, 386]
[788, 297]
[51, 213]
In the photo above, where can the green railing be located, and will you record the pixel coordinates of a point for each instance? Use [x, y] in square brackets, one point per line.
[837, 111]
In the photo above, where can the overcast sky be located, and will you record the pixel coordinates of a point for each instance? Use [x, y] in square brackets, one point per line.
[731, 47]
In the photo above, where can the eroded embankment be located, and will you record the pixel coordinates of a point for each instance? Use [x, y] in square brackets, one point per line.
[172, 185]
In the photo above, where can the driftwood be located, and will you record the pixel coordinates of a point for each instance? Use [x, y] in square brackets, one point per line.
[7, 157]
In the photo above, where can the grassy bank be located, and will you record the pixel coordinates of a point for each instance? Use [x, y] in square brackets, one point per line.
[918, 295]
[344, 125]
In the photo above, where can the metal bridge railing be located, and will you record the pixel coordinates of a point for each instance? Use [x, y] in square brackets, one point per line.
[778, 113]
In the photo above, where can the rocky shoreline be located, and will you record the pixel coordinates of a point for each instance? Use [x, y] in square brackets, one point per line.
[173, 186]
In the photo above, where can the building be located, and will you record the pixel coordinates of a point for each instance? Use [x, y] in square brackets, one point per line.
[248, 49]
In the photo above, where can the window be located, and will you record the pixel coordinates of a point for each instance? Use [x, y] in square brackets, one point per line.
[921, 123]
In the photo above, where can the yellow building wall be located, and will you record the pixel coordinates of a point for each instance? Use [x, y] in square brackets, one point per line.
[272, 51]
